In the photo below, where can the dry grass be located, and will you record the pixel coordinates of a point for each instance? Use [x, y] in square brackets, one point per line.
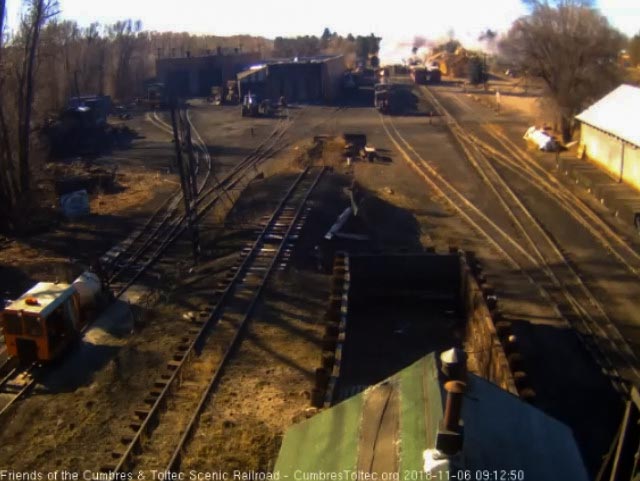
[138, 188]
[320, 151]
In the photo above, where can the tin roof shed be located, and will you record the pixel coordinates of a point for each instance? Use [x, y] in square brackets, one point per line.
[617, 114]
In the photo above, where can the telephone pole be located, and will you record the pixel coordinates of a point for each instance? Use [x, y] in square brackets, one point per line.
[187, 176]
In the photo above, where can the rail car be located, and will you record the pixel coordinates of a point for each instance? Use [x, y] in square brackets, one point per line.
[426, 75]
[382, 98]
[42, 323]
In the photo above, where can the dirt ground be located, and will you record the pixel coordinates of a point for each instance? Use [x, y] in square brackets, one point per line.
[560, 392]
[266, 387]
[103, 377]
[64, 248]
[102, 380]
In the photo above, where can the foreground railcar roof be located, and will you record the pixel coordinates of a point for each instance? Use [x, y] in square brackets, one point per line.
[395, 423]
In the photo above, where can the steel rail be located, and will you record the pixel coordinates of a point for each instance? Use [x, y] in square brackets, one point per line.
[125, 460]
[166, 227]
[13, 374]
[176, 457]
[478, 220]
[567, 199]
[589, 324]
[597, 325]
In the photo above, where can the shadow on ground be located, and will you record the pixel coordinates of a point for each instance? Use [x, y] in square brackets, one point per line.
[573, 392]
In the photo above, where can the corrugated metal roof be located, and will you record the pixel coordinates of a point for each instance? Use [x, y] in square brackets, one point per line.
[617, 113]
[501, 431]
[256, 71]
[300, 59]
[49, 295]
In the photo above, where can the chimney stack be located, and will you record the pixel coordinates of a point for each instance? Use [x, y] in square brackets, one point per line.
[449, 439]
[453, 407]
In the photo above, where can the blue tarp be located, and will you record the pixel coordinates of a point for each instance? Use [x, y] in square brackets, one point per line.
[75, 204]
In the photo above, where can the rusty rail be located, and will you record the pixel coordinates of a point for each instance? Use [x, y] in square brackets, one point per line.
[162, 388]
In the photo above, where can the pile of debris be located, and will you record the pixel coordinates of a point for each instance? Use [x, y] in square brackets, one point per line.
[356, 147]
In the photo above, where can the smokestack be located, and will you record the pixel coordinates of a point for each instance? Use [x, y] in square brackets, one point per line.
[449, 438]
[453, 408]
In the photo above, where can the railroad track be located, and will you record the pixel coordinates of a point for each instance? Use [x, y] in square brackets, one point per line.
[541, 260]
[163, 218]
[521, 164]
[129, 260]
[161, 427]
[16, 381]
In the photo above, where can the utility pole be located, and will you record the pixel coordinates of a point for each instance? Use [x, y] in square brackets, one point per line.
[192, 160]
[193, 183]
[189, 206]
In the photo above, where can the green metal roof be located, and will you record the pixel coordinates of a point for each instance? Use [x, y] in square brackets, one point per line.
[391, 428]
[349, 435]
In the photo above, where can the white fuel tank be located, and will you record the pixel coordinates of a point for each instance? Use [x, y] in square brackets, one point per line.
[88, 287]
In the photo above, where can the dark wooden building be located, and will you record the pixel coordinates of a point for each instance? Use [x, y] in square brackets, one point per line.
[194, 76]
[305, 79]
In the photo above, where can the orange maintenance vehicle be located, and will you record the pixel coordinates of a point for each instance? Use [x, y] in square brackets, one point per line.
[45, 320]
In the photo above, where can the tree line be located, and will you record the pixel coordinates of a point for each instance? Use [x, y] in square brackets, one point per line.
[567, 43]
[47, 60]
[360, 47]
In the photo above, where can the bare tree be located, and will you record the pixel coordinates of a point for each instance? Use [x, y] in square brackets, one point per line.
[45, 61]
[7, 189]
[39, 11]
[572, 48]
[3, 8]
[124, 38]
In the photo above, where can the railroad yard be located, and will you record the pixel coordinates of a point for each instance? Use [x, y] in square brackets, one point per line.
[204, 367]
